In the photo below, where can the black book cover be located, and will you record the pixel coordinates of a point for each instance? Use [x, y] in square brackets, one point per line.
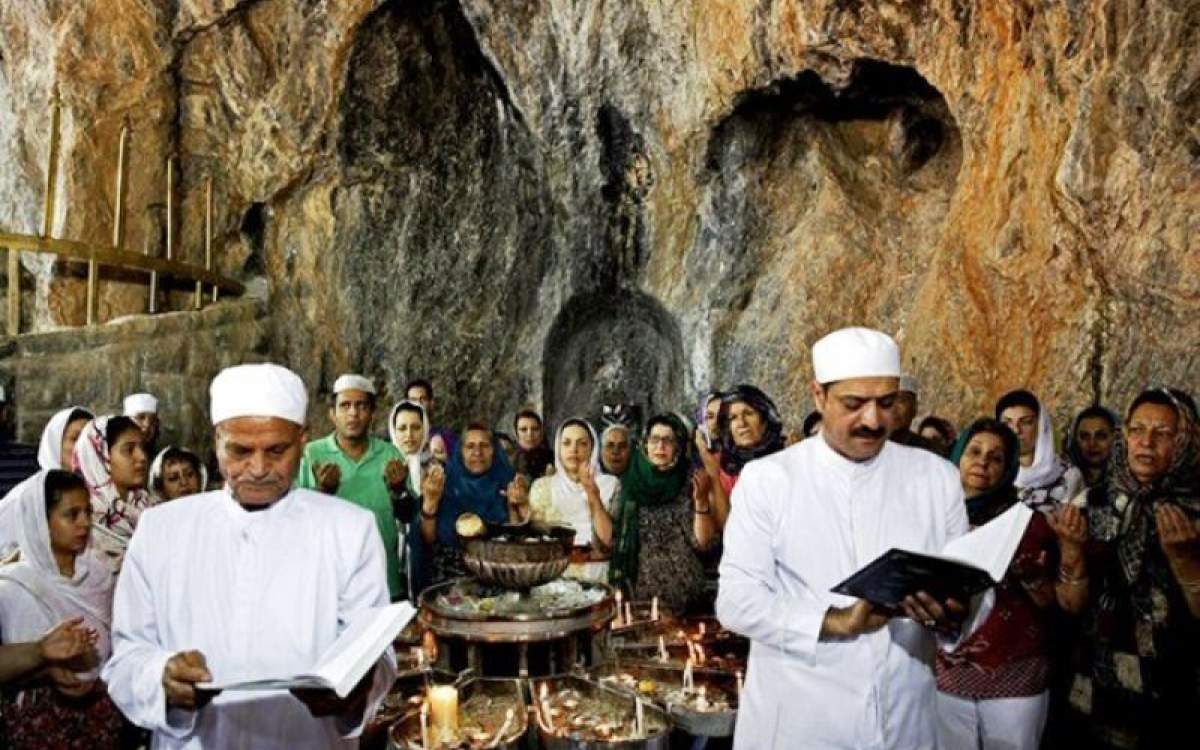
[898, 573]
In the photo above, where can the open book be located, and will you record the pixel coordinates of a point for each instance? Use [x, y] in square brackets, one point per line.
[344, 663]
[967, 565]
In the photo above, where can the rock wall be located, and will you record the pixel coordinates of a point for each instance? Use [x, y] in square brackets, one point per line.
[515, 197]
[173, 355]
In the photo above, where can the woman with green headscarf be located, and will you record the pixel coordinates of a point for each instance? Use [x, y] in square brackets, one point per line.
[661, 523]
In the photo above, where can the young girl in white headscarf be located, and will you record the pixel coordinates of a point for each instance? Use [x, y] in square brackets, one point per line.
[579, 495]
[59, 437]
[1045, 481]
[111, 457]
[409, 430]
[56, 579]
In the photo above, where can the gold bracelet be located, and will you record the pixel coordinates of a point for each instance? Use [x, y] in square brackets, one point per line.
[1069, 580]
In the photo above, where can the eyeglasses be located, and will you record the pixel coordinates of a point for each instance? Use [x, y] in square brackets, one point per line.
[1154, 434]
[660, 440]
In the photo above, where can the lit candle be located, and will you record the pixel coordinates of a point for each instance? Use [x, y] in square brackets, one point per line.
[443, 705]
[701, 699]
[544, 700]
[662, 649]
[617, 620]
[654, 609]
[702, 630]
[740, 685]
[419, 652]
[424, 725]
[700, 654]
[688, 679]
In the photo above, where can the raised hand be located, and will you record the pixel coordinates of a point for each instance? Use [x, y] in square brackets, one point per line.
[587, 479]
[707, 457]
[67, 640]
[1070, 525]
[701, 489]
[328, 477]
[395, 474]
[1178, 535]
[432, 487]
[180, 675]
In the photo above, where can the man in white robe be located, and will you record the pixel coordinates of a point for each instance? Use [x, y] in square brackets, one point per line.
[250, 582]
[825, 670]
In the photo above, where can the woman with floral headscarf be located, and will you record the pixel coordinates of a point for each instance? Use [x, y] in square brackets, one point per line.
[1135, 677]
[749, 427]
[111, 457]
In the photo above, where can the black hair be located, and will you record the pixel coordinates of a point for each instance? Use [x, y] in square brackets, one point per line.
[1170, 397]
[419, 383]
[1018, 397]
[1095, 411]
[578, 422]
[407, 405]
[58, 483]
[809, 428]
[475, 425]
[943, 427]
[118, 426]
[172, 455]
[78, 414]
[527, 414]
[371, 398]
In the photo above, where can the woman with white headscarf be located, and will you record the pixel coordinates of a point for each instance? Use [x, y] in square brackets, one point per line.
[175, 473]
[1045, 481]
[409, 430]
[579, 495]
[56, 579]
[60, 435]
[111, 457]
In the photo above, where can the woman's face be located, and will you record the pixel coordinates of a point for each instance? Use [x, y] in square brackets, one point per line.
[1095, 438]
[711, 411]
[179, 479]
[662, 446]
[575, 448]
[477, 451]
[69, 438]
[746, 425]
[70, 522]
[437, 449]
[410, 431]
[982, 464]
[529, 433]
[129, 462]
[1024, 422]
[615, 451]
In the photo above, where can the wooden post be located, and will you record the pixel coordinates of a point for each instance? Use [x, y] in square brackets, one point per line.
[170, 231]
[118, 236]
[207, 239]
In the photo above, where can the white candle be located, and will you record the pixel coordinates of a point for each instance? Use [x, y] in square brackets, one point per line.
[688, 679]
[617, 620]
[544, 700]
[702, 630]
[662, 649]
[640, 723]
[443, 705]
[628, 613]
[654, 609]
[424, 726]
[739, 684]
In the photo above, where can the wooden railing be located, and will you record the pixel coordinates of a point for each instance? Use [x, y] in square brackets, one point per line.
[114, 255]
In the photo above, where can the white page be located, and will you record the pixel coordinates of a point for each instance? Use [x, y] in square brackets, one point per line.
[348, 658]
[991, 546]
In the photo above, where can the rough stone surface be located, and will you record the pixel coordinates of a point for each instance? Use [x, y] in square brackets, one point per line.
[173, 355]
[517, 197]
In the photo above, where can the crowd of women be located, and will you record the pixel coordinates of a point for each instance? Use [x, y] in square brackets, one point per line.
[1093, 632]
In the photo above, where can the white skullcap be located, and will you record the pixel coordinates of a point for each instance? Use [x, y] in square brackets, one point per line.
[855, 353]
[140, 403]
[264, 390]
[353, 383]
[909, 383]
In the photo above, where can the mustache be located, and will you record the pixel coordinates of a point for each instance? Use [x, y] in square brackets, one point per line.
[868, 432]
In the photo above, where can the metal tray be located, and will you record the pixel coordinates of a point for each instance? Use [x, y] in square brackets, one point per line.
[657, 740]
[697, 723]
[408, 724]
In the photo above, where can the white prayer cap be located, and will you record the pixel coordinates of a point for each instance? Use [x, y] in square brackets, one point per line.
[855, 353]
[140, 403]
[264, 390]
[909, 383]
[353, 383]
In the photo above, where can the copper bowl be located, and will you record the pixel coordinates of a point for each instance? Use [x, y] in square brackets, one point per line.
[519, 557]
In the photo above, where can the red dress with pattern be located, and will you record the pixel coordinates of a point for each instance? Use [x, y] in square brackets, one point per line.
[41, 718]
[1008, 655]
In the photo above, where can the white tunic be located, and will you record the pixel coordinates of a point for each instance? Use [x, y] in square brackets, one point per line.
[803, 520]
[259, 594]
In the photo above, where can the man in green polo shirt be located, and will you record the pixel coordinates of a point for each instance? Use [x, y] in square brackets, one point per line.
[356, 466]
